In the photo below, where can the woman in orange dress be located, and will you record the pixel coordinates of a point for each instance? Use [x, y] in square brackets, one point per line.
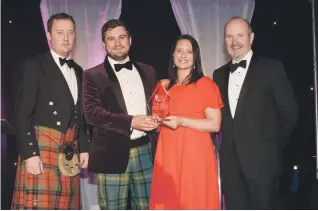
[185, 170]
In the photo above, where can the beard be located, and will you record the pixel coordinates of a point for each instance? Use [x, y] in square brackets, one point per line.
[117, 57]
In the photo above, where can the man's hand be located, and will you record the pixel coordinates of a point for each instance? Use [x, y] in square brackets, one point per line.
[34, 165]
[144, 123]
[84, 160]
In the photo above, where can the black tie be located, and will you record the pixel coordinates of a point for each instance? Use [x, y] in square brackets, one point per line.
[234, 66]
[127, 65]
[70, 62]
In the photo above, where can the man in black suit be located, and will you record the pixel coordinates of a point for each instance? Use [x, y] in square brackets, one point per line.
[50, 123]
[259, 115]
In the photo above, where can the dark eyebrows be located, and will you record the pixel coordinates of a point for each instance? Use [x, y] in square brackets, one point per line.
[62, 30]
[190, 49]
[121, 36]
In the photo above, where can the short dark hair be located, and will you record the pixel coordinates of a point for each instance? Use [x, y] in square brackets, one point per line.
[239, 18]
[196, 70]
[113, 24]
[59, 16]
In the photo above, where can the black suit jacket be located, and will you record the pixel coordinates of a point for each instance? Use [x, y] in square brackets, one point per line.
[105, 109]
[44, 98]
[265, 117]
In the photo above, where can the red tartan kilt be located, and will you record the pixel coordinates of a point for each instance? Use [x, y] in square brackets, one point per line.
[49, 190]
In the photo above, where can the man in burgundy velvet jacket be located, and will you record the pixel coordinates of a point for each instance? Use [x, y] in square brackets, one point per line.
[115, 96]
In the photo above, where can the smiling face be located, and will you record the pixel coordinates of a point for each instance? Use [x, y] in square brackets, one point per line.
[183, 55]
[117, 43]
[238, 38]
[62, 36]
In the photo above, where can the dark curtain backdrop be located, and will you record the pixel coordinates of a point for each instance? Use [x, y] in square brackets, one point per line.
[154, 27]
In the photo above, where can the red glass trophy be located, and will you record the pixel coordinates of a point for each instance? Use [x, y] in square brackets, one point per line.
[158, 104]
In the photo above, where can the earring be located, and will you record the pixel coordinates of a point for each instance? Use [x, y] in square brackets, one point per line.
[193, 67]
[173, 66]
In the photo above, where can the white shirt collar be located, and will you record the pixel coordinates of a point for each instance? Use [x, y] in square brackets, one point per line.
[56, 57]
[112, 62]
[247, 57]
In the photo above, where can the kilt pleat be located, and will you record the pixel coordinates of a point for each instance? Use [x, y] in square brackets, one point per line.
[113, 188]
[49, 190]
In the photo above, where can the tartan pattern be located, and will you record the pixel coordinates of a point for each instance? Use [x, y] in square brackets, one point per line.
[50, 190]
[113, 188]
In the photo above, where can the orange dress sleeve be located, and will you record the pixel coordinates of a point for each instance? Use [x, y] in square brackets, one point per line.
[210, 93]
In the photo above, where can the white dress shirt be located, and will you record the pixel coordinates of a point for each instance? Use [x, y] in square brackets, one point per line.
[133, 92]
[69, 75]
[236, 80]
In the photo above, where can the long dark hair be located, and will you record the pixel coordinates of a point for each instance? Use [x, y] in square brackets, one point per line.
[196, 71]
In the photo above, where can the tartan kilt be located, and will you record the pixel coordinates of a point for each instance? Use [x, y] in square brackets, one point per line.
[49, 190]
[114, 189]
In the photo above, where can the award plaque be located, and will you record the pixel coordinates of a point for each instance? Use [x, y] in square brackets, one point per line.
[158, 104]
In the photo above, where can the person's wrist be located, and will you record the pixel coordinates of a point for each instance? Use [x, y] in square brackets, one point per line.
[181, 121]
[132, 123]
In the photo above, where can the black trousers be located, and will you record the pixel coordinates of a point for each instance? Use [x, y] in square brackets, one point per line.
[242, 192]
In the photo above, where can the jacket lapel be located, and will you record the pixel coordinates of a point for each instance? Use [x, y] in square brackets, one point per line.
[226, 88]
[78, 74]
[55, 74]
[250, 75]
[115, 85]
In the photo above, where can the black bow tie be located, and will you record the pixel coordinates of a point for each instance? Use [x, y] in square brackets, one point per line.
[70, 62]
[127, 65]
[234, 66]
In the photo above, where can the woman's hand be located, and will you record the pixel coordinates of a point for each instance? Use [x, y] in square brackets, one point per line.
[173, 122]
[211, 122]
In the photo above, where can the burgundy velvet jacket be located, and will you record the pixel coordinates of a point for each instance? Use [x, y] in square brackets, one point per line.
[105, 109]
